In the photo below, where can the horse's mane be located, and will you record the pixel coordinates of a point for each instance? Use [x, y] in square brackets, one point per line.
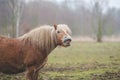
[44, 37]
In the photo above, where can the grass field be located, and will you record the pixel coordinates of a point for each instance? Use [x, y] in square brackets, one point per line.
[81, 61]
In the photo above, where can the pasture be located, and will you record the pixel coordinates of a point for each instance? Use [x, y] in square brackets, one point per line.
[80, 61]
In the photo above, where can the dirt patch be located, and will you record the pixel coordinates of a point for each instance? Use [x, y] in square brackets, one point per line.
[107, 76]
[44, 75]
[81, 67]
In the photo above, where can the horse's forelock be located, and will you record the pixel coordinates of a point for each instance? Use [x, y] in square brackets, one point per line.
[65, 28]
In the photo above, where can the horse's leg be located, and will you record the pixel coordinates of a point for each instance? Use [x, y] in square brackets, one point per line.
[32, 73]
[29, 73]
[36, 71]
[36, 74]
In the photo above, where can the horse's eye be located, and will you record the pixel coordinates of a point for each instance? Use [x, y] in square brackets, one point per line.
[58, 31]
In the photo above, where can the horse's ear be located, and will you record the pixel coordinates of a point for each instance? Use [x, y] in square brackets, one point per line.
[55, 26]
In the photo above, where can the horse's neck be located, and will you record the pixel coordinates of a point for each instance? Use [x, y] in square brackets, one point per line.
[46, 49]
[52, 46]
[51, 49]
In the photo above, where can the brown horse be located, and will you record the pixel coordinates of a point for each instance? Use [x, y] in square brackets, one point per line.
[29, 52]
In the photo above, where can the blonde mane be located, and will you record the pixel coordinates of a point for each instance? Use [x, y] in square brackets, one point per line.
[44, 37]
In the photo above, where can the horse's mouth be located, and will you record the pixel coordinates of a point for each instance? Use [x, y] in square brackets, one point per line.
[67, 43]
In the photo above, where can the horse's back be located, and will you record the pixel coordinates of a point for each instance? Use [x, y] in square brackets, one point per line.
[8, 45]
[6, 40]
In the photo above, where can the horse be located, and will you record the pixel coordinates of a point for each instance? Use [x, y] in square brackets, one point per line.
[29, 53]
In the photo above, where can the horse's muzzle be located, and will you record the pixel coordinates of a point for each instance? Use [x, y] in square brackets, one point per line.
[67, 41]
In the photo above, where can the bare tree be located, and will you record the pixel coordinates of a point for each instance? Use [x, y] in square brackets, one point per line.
[79, 15]
[16, 7]
[99, 21]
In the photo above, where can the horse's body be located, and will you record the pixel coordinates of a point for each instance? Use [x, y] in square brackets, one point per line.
[29, 52]
[11, 56]
[15, 56]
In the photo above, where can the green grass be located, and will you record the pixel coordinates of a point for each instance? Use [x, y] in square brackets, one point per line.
[85, 58]
[85, 53]
[80, 61]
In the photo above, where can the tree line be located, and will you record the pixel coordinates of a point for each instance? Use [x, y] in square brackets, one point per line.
[95, 20]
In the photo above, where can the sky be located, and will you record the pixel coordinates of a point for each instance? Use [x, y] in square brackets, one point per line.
[111, 3]
[114, 3]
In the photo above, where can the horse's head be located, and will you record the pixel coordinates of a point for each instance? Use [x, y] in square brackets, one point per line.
[63, 35]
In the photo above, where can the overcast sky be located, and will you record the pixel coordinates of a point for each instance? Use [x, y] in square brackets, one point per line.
[111, 3]
[114, 3]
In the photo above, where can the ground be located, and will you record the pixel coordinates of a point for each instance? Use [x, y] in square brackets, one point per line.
[81, 61]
